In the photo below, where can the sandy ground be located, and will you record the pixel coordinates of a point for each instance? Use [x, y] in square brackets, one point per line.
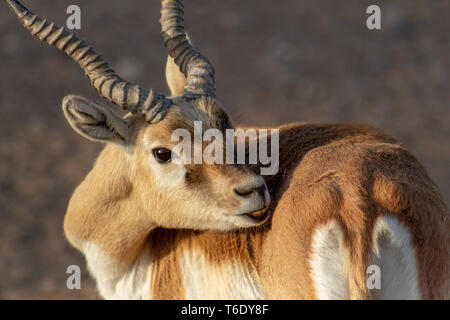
[276, 61]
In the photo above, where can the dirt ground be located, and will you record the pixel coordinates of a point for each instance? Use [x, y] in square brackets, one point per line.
[276, 62]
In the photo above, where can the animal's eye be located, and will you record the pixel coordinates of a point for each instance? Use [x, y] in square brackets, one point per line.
[163, 155]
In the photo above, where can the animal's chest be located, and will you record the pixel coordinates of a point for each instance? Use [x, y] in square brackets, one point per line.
[194, 277]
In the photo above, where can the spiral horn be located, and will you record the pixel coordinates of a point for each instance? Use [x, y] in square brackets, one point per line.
[198, 70]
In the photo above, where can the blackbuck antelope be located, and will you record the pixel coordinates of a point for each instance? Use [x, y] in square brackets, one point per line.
[346, 197]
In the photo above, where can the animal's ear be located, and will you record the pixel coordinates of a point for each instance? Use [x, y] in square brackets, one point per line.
[94, 121]
[175, 78]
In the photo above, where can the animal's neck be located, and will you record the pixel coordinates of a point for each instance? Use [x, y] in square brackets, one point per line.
[117, 255]
[182, 264]
[103, 214]
[213, 265]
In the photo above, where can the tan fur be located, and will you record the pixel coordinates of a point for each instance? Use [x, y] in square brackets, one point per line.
[351, 174]
[175, 79]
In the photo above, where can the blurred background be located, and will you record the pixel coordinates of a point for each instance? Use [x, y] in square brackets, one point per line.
[276, 62]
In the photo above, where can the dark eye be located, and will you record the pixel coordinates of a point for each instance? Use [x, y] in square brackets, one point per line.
[163, 155]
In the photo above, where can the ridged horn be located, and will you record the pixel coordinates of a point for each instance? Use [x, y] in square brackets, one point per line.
[130, 97]
[198, 70]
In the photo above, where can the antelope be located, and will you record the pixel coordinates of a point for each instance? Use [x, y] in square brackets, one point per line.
[346, 196]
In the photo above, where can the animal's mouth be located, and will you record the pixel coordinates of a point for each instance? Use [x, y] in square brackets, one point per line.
[258, 216]
[254, 212]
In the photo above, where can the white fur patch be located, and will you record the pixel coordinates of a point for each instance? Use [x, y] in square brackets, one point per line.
[394, 254]
[114, 284]
[231, 281]
[328, 262]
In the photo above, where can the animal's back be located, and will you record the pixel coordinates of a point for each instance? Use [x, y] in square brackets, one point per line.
[349, 200]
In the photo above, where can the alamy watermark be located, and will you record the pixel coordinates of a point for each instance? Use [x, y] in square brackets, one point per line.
[231, 149]
[373, 280]
[73, 21]
[374, 20]
[73, 282]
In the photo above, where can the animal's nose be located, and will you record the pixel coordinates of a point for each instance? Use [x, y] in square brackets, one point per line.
[252, 188]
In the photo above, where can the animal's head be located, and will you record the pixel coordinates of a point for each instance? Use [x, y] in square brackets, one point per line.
[175, 192]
